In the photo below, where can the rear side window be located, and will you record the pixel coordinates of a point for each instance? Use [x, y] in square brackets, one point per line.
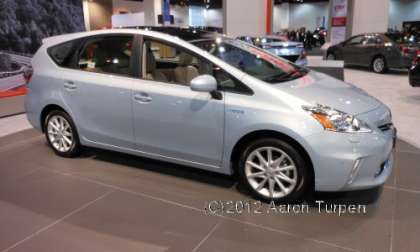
[62, 54]
[107, 55]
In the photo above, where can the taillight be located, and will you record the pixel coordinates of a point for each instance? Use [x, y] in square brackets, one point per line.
[404, 50]
[417, 58]
[27, 74]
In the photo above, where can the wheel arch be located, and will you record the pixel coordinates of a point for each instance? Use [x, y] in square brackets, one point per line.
[46, 110]
[377, 55]
[252, 136]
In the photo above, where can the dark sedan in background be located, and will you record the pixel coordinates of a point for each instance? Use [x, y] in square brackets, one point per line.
[280, 46]
[414, 75]
[375, 50]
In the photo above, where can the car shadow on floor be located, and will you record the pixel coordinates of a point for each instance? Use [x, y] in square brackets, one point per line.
[402, 72]
[364, 197]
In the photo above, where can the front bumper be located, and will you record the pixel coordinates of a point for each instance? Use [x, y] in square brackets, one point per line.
[347, 162]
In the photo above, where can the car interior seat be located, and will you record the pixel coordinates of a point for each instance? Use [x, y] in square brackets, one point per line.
[151, 72]
[185, 72]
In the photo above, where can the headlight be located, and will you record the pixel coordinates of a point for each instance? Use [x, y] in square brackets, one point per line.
[337, 121]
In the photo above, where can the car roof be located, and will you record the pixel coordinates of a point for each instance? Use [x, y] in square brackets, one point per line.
[168, 33]
[187, 34]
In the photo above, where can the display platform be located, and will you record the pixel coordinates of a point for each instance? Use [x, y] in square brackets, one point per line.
[12, 105]
[105, 201]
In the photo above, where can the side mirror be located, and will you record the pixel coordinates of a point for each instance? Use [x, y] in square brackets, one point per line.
[204, 83]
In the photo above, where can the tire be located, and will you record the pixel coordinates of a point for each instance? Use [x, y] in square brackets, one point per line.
[331, 56]
[379, 65]
[61, 134]
[251, 177]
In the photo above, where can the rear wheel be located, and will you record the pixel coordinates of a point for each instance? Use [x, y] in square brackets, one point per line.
[61, 134]
[273, 170]
[379, 65]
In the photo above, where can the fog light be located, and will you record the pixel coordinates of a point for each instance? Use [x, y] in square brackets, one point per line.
[354, 171]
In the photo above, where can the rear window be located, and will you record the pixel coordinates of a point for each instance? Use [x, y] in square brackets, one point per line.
[401, 38]
[61, 54]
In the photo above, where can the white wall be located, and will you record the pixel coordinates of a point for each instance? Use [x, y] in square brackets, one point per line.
[403, 10]
[213, 17]
[181, 14]
[244, 17]
[128, 20]
[127, 6]
[308, 15]
[370, 16]
[280, 17]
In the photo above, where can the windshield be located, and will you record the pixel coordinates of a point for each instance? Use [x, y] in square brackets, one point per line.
[252, 60]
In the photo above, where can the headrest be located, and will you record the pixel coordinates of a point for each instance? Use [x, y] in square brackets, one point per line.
[185, 59]
[100, 57]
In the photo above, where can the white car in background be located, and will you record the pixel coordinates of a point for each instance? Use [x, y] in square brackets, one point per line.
[280, 46]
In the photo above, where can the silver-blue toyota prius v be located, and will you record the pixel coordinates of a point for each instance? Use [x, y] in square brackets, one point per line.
[210, 102]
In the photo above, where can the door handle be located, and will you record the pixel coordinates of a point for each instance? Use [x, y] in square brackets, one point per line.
[69, 85]
[142, 98]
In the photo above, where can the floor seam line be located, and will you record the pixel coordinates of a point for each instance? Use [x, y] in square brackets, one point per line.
[402, 189]
[57, 221]
[207, 236]
[394, 209]
[19, 144]
[203, 211]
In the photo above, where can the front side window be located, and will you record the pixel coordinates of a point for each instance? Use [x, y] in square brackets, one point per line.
[107, 55]
[252, 60]
[356, 40]
[171, 64]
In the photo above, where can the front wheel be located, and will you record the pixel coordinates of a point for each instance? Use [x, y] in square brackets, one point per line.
[273, 170]
[61, 134]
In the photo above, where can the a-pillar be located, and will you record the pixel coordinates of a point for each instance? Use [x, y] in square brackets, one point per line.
[247, 17]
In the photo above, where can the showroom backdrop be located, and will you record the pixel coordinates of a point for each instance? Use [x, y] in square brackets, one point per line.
[23, 25]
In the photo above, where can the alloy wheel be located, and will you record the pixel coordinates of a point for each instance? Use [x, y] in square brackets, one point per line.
[379, 65]
[271, 172]
[60, 133]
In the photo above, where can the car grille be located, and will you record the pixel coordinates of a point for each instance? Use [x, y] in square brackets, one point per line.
[386, 127]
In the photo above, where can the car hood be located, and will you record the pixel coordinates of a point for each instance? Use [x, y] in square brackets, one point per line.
[318, 88]
[284, 44]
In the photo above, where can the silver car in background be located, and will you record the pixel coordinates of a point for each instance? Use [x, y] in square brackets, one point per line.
[280, 46]
[215, 103]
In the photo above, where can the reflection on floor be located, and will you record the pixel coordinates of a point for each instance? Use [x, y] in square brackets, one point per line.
[105, 201]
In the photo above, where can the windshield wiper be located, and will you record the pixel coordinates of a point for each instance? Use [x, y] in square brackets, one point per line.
[286, 76]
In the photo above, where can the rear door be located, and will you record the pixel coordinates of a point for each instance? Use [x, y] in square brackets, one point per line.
[99, 91]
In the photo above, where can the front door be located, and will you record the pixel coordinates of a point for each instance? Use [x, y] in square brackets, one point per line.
[170, 120]
[352, 50]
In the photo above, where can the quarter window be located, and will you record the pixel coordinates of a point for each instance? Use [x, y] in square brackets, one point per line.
[107, 55]
[62, 53]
